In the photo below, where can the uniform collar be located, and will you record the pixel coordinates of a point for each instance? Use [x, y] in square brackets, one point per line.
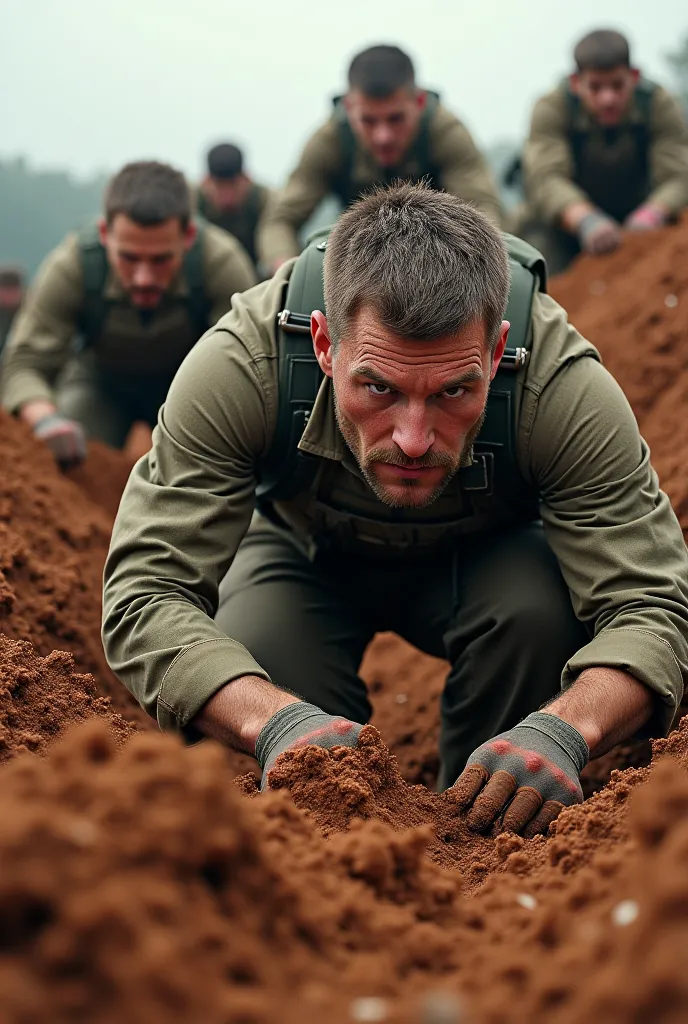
[322, 436]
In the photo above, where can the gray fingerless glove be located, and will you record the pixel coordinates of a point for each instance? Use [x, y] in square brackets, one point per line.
[537, 763]
[301, 725]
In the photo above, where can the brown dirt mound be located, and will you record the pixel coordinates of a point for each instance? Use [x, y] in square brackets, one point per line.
[53, 545]
[137, 883]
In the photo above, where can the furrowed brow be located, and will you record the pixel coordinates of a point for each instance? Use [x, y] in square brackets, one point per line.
[472, 376]
[371, 374]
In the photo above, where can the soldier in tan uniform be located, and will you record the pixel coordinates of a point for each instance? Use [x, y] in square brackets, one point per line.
[384, 128]
[607, 152]
[113, 312]
[229, 198]
[514, 527]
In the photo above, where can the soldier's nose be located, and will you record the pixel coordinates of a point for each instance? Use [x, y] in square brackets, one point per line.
[414, 436]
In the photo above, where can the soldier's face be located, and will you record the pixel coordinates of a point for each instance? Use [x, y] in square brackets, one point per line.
[385, 127]
[408, 410]
[227, 193]
[606, 94]
[146, 260]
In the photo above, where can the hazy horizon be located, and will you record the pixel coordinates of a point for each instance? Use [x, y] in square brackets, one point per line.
[89, 87]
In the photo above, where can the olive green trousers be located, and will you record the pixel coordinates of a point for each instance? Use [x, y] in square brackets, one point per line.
[495, 606]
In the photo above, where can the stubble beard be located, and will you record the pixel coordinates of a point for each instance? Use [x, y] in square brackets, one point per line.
[452, 464]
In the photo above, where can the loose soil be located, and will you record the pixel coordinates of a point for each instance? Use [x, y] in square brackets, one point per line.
[143, 881]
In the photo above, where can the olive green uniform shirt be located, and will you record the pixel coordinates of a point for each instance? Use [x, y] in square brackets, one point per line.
[462, 169]
[42, 338]
[189, 503]
[548, 162]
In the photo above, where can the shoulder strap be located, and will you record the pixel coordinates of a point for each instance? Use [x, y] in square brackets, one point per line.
[94, 272]
[286, 470]
[341, 184]
[422, 145]
[198, 303]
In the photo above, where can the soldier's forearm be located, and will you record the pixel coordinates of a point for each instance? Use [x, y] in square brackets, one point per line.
[32, 412]
[605, 705]
[236, 714]
[572, 216]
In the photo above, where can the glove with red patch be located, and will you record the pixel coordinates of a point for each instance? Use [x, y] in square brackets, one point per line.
[301, 725]
[65, 438]
[646, 218]
[529, 774]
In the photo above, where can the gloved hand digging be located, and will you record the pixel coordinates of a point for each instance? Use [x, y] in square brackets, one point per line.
[530, 773]
[301, 725]
[598, 233]
[65, 438]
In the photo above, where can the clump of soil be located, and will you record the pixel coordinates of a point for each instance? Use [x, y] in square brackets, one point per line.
[40, 697]
[137, 882]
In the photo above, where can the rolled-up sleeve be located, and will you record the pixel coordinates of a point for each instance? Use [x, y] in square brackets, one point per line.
[618, 542]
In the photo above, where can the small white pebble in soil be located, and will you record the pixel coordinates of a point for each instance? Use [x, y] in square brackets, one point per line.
[441, 1008]
[401, 698]
[368, 1009]
[671, 301]
[526, 900]
[625, 913]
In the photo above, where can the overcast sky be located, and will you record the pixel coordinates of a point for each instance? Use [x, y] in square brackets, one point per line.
[90, 84]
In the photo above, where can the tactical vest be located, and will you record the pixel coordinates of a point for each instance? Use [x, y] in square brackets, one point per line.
[343, 184]
[95, 270]
[305, 492]
[612, 165]
[241, 223]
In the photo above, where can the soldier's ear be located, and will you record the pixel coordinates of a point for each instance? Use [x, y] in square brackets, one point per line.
[574, 82]
[322, 344]
[499, 348]
[102, 230]
[190, 232]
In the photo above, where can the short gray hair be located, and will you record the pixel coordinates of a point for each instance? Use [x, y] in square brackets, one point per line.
[427, 263]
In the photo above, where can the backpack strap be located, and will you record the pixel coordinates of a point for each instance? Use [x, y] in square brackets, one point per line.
[198, 303]
[494, 450]
[287, 471]
[94, 273]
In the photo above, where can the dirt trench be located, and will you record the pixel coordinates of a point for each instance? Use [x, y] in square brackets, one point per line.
[144, 881]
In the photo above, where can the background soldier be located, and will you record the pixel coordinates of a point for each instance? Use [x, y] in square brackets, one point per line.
[138, 290]
[229, 198]
[607, 150]
[384, 128]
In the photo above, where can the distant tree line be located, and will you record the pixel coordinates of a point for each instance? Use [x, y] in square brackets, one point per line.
[38, 208]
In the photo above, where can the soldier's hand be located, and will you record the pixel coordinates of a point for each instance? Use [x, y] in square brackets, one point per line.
[598, 233]
[646, 218]
[527, 774]
[301, 725]
[64, 437]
